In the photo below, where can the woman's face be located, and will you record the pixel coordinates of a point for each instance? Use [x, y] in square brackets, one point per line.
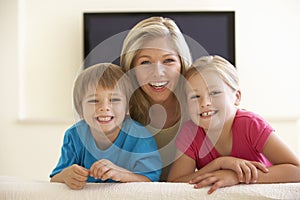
[157, 67]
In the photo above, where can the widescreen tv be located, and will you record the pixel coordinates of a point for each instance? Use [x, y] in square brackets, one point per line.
[205, 32]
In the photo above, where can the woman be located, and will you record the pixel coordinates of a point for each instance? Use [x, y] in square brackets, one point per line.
[155, 54]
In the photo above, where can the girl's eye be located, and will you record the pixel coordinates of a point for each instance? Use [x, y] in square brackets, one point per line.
[215, 92]
[195, 97]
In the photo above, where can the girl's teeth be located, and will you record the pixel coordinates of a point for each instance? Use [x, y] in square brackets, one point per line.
[205, 114]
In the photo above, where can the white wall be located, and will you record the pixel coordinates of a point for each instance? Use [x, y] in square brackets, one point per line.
[41, 52]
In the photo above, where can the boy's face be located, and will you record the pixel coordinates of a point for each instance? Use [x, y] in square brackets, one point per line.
[210, 100]
[104, 111]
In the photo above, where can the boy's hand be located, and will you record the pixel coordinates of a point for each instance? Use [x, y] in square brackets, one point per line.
[217, 179]
[75, 176]
[104, 169]
[246, 170]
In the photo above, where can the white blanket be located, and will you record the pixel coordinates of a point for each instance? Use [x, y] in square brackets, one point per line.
[14, 188]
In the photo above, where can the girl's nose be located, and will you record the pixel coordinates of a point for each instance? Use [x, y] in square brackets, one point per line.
[205, 101]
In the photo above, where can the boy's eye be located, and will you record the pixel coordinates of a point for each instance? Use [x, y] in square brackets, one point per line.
[115, 99]
[93, 101]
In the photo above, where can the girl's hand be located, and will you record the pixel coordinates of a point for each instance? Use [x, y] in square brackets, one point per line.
[75, 176]
[217, 179]
[246, 170]
[104, 169]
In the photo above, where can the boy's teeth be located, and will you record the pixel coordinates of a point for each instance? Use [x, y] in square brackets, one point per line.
[104, 118]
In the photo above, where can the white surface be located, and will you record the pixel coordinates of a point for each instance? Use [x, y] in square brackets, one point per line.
[14, 189]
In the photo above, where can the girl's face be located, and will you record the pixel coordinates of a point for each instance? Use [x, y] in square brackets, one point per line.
[157, 69]
[210, 100]
[104, 110]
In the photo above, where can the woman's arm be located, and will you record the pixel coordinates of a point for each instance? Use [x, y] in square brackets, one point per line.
[286, 165]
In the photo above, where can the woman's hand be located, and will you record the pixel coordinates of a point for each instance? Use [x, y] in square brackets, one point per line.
[247, 171]
[217, 179]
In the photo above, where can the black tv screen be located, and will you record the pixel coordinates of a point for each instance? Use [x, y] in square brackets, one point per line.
[205, 32]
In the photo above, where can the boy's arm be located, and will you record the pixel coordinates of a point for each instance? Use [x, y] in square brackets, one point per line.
[73, 176]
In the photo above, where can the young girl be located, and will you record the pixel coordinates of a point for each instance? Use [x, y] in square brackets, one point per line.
[226, 145]
[105, 145]
[155, 53]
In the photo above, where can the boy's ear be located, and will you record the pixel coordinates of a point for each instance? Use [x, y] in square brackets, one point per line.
[238, 96]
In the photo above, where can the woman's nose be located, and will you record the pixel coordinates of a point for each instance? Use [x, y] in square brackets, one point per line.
[159, 69]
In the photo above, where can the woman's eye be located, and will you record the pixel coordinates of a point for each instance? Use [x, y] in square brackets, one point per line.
[146, 62]
[169, 60]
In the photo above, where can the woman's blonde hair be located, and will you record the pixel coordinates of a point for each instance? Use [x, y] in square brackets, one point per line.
[224, 69]
[105, 75]
[144, 31]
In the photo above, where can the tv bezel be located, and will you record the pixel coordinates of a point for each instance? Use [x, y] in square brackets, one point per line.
[230, 16]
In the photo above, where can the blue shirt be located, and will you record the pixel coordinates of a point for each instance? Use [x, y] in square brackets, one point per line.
[134, 149]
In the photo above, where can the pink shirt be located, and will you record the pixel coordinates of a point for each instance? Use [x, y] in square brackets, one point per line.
[249, 135]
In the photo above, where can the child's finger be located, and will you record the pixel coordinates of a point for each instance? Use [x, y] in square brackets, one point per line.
[247, 173]
[260, 166]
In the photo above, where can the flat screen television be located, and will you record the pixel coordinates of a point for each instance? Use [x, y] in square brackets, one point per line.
[205, 33]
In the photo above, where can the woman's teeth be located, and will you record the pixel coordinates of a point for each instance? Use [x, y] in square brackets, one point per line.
[158, 84]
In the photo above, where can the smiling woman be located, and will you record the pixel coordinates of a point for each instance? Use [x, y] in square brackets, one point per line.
[155, 54]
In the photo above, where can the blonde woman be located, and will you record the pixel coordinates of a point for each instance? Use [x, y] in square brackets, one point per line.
[155, 54]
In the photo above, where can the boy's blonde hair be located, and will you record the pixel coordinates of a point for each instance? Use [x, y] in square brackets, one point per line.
[147, 30]
[224, 69]
[105, 75]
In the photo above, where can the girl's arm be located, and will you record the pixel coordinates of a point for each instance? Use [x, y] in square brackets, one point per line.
[183, 169]
[286, 165]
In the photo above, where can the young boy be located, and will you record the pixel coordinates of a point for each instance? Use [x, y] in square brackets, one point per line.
[105, 145]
